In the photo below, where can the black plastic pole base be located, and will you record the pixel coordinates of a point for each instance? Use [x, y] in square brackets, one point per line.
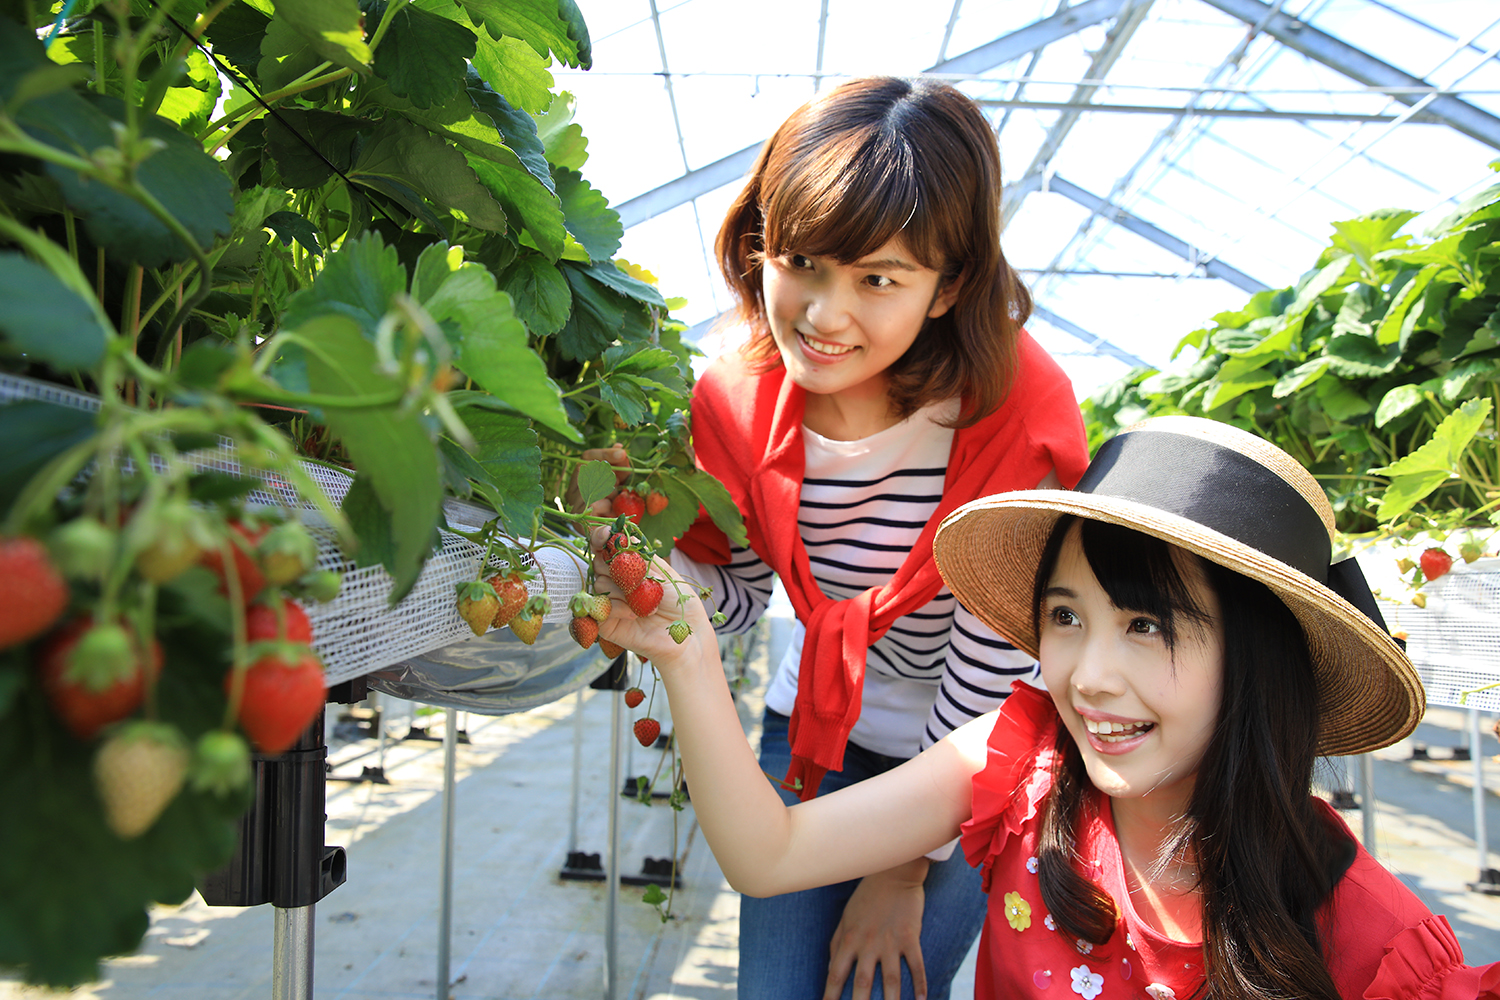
[374, 775]
[655, 871]
[1488, 884]
[280, 857]
[1421, 751]
[582, 867]
[1344, 799]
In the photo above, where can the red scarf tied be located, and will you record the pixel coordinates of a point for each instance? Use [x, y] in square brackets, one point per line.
[738, 415]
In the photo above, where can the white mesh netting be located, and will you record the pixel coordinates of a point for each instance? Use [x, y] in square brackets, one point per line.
[359, 631]
[1455, 640]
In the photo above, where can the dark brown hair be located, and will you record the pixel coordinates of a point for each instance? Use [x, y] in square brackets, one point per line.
[854, 168]
[1266, 859]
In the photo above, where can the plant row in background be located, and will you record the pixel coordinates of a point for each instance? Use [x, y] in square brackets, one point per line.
[1379, 370]
[356, 234]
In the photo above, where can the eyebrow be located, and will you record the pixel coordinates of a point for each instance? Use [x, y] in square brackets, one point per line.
[886, 263]
[1057, 592]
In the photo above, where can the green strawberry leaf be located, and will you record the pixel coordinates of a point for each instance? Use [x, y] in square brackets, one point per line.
[424, 57]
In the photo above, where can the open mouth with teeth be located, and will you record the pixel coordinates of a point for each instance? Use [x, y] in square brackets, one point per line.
[824, 348]
[1117, 732]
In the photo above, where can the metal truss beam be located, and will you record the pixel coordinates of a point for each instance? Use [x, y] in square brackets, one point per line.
[1190, 112]
[1095, 343]
[986, 57]
[1359, 65]
[1132, 223]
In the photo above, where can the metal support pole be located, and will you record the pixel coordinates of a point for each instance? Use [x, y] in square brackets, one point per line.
[1481, 829]
[1367, 800]
[292, 953]
[445, 914]
[612, 849]
[577, 772]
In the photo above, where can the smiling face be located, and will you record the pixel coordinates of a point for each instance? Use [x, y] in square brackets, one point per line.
[1141, 707]
[838, 326]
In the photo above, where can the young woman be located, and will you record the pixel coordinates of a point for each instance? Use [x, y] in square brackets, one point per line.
[884, 379]
[1148, 829]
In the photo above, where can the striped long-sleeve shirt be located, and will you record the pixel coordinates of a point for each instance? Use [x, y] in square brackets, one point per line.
[863, 505]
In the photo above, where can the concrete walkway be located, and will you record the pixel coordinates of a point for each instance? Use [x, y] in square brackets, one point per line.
[519, 931]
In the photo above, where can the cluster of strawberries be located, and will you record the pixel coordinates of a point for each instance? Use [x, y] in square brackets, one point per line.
[503, 600]
[95, 669]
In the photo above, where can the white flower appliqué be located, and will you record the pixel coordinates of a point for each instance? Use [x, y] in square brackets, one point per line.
[1031, 865]
[1156, 991]
[1087, 984]
[1084, 947]
[1051, 925]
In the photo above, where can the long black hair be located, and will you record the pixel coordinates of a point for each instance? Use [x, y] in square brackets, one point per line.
[1265, 857]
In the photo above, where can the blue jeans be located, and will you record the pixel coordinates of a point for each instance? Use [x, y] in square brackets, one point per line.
[784, 939]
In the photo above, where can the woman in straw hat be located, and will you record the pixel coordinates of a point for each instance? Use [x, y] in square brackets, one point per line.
[1145, 827]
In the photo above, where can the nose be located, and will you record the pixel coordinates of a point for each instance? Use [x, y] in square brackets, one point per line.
[1096, 668]
[827, 307]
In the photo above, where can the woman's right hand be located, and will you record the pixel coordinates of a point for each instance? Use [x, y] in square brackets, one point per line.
[649, 636]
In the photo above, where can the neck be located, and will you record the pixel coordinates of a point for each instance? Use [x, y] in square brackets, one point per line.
[849, 415]
[1163, 886]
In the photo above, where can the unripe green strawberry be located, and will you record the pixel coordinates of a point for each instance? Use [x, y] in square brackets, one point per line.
[322, 586]
[103, 655]
[477, 605]
[1470, 551]
[138, 772]
[600, 607]
[84, 548]
[645, 598]
[221, 763]
[167, 538]
[580, 605]
[526, 626]
[286, 553]
[679, 631]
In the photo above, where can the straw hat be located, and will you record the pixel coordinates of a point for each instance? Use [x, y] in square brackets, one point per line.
[1234, 499]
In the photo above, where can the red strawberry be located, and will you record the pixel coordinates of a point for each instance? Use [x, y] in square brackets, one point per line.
[628, 568]
[628, 503]
[103, 684]
[634, 696]
[477, 605]
[584, 631]
[656, 503]
[280, 698]
[513, 595]
[526, 626]
[614, 545]
[645, 597]
[1435, 562]
[243, 539]
[261, 624]
[138, 772]
[610, 649]
[647, 730]
[32, 592]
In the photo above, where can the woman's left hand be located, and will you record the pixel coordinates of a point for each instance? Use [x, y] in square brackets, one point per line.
[882, 923]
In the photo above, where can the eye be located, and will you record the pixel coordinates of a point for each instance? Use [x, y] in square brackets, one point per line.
[879, 281]
[799, 261]
[1144, 626]
[1062, 617]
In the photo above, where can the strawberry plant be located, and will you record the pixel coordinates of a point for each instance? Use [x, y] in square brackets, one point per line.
[1379, 370]
[356, 233]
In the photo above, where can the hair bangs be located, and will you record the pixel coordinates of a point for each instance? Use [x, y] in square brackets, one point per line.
[844, 197]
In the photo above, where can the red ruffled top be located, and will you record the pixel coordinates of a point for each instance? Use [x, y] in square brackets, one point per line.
[1382, 942]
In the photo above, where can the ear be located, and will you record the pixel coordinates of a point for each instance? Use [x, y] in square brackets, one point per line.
[947, 295]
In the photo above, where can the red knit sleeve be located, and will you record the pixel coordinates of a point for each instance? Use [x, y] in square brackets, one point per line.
[1010, 787]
